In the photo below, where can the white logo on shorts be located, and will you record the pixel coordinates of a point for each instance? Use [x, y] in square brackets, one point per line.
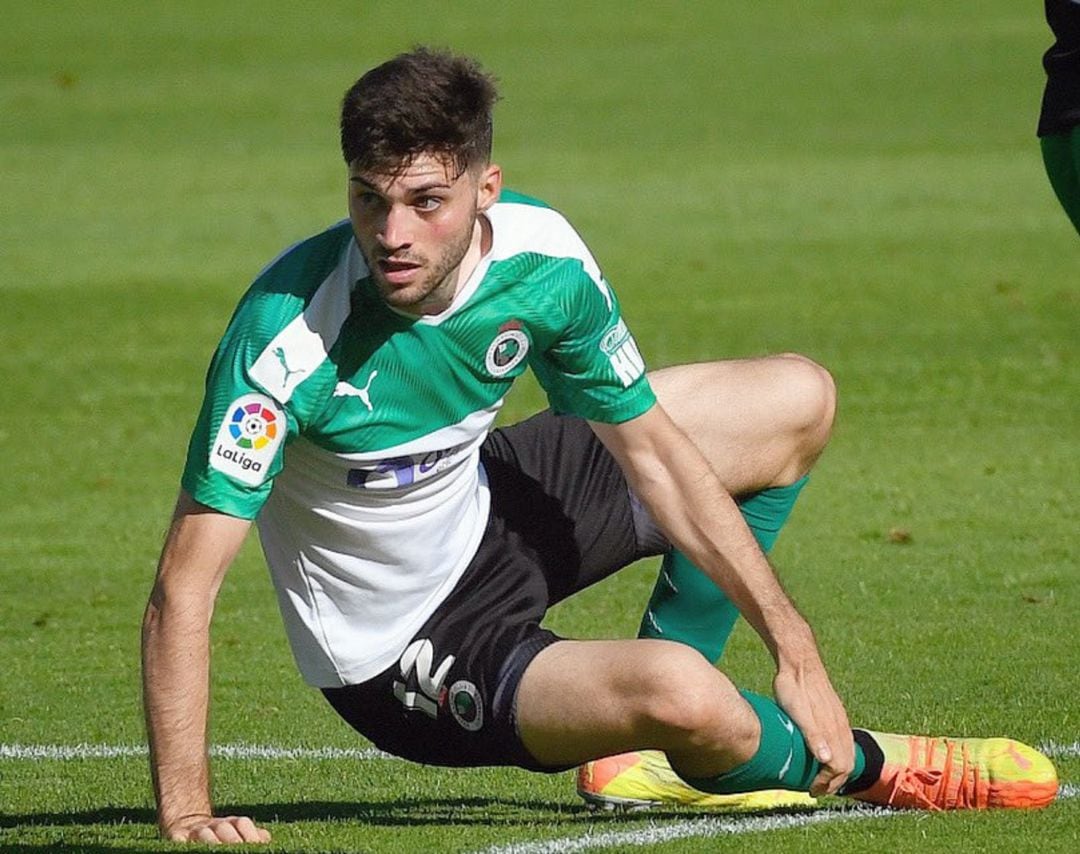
[416, 661]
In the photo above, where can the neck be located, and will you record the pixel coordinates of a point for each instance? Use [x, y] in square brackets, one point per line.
[443, 295]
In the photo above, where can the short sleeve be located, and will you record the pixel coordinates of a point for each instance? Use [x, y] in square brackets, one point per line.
[237, 445]
[593, 368]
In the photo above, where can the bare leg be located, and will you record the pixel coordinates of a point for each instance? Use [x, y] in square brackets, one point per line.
[759, 422]
[580, 700]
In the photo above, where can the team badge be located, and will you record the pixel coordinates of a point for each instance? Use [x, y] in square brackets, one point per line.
[507, 350]
[465, 705]
[248, 439]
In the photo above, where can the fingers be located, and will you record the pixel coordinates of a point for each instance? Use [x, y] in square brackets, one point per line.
[828, 781]
[249, 832]
[808, 697]
[835, 765]
[227, 830]
[834, 748]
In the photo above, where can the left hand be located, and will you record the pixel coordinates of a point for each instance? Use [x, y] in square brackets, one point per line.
[804, 691]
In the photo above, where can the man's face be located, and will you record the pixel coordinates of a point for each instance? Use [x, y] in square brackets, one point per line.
[415, 228]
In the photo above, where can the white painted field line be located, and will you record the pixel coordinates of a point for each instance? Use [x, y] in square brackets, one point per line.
[707, 828]
[699, 828]
[1053, 749]
[225, 751]
[1060, 750]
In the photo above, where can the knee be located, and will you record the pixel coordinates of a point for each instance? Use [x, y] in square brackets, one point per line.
[810, 394]
[698, 714]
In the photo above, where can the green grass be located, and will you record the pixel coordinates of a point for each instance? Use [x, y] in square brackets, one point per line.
[858, 182]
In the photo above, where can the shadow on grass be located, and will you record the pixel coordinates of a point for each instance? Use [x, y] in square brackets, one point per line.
[412, 812]
[26, 848]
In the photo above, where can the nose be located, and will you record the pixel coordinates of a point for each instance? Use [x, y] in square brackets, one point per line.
[394, 233]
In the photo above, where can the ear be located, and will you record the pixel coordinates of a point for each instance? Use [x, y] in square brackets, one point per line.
[489, 186]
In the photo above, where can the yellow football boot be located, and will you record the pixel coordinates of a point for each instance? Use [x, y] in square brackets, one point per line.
[960, 774]
[644, 779]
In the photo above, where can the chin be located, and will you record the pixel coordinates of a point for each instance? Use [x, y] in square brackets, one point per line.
[409, 296]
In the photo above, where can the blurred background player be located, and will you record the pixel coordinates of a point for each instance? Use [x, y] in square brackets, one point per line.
[1059, 119]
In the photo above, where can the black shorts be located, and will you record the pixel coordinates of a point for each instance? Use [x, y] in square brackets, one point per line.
[562, 518]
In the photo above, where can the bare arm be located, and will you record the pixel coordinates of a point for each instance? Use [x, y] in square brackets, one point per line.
[176, 672]
[673, 479]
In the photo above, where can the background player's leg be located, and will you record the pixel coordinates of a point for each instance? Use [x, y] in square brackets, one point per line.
[761, 424]
[1061, 155]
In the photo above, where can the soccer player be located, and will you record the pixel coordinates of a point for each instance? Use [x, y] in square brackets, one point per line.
[1059, 119]
[415, 553]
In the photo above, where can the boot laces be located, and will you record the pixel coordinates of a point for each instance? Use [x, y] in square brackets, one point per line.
[921, 784]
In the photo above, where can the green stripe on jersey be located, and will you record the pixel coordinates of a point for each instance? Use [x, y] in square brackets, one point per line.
[354, 377]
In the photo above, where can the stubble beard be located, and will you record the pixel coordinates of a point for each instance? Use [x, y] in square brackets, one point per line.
[437, 289]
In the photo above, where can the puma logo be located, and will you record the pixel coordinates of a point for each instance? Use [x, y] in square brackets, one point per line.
[280, 353]
[344, 389]
[1018, 757]
[789, 725]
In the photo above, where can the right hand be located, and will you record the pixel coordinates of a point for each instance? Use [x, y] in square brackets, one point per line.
[211, 830]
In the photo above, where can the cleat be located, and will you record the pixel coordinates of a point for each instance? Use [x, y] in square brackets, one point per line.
[960, 773]
[644, 779]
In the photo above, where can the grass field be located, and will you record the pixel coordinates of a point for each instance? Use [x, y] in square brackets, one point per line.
[856, 181]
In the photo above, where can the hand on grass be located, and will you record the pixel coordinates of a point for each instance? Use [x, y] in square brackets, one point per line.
[804, 691]
[211, 830]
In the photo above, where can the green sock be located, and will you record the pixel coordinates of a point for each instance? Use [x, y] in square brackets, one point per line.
[685, 604]
[782, 761]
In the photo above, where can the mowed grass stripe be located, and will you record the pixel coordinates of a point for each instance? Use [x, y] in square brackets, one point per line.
[65, 752]
[837, 194]
[708, 828]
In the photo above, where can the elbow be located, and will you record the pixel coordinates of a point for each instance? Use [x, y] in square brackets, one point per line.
[175, 608]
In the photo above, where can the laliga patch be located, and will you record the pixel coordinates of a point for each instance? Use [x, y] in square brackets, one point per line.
[248, 439]
[508, 350]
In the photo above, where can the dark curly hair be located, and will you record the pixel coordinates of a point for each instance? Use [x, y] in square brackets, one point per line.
[423, 101]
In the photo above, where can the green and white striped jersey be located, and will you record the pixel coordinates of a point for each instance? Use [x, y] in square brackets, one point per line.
[352, 431]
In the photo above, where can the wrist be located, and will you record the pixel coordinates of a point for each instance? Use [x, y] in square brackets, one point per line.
[170, 821]
[795, 646]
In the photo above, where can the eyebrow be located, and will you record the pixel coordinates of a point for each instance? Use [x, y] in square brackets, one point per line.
[422, 188]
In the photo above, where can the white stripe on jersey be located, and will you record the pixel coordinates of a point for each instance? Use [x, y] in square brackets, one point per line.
[529, 228]
[518, 228]
[296, 351]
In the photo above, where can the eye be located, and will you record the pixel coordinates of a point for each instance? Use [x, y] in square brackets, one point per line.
[427, 204]
[366, 198]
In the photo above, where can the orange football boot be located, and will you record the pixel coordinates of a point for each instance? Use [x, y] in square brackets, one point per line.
[959, 774]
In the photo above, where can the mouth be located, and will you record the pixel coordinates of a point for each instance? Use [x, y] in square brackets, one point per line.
[398, 272]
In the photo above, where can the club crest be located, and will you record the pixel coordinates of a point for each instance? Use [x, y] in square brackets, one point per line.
[507, 350]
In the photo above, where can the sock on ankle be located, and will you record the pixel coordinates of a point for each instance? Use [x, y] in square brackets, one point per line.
[686, 606]
[782, 761]
[875, 761]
